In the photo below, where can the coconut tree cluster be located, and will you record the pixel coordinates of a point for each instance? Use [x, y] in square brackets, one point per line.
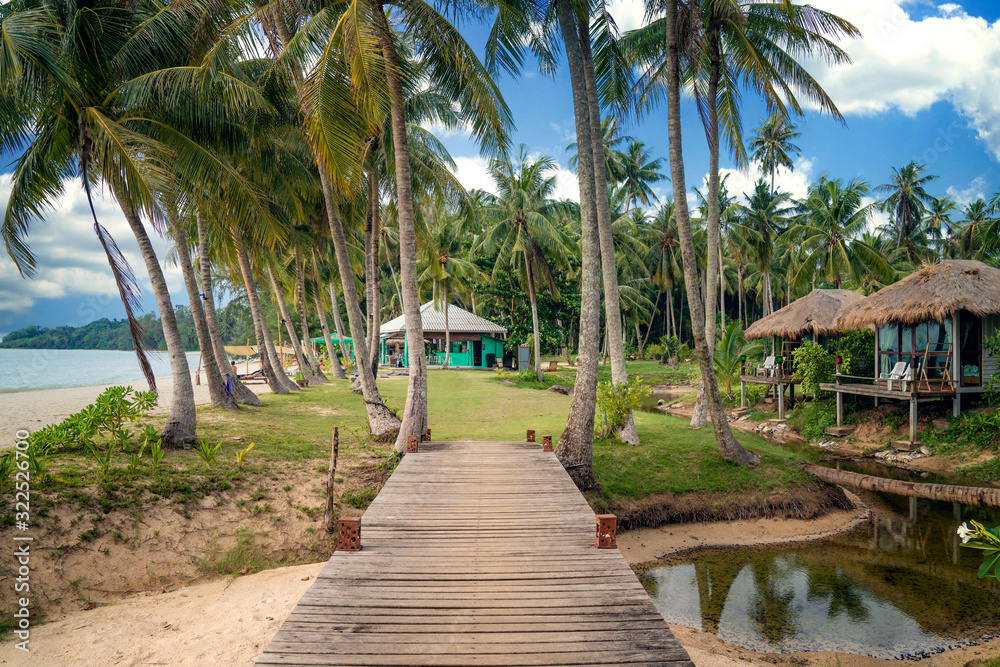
[286, 149]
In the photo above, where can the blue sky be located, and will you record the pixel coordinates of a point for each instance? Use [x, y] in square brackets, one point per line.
[924, 86]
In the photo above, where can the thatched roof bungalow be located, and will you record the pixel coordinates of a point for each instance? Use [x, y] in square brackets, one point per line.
[812, 316]
[937, 319]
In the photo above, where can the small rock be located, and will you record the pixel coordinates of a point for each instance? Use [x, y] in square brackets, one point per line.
[660, 403]
[559, 389]
[925, 451]
[882, 454]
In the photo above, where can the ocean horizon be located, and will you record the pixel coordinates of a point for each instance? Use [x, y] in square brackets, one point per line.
[34, 370]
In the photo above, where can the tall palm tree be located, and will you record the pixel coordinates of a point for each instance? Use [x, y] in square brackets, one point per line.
[834, 219]
[975, 236]
[907, 198]
[764, 217]
[521, 227]
[638, 170]
[442, 263]
[668, 70]
[771, 146]
[939, 222]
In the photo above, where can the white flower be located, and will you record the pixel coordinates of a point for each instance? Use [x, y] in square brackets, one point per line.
[965, 533]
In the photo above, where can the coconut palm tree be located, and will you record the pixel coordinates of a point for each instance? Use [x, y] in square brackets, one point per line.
[975, 236]
[521, 227]
[87, 84]
[764, 218]
[637, 171]
[907, 199]
[771, 146]
[834, 218]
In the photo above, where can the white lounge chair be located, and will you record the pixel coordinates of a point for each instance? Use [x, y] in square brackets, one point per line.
[901, 372]
[768, 367]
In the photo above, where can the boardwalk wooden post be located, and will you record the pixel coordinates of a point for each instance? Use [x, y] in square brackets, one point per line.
[781, 400]
[531, 435]
[331, 474]
[412, 444]
[546, 443]
[607, 531]
[913, 418]
[349, 533]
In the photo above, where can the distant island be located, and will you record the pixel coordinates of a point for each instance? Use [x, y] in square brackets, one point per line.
[104, 334]
[112, 334]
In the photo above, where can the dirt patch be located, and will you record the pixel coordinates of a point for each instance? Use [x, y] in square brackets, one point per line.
[83, 555]
[798, 502]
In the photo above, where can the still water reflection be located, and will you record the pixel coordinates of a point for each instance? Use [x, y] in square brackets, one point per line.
[901, 586]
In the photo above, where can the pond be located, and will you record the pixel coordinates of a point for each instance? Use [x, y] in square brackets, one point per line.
[901, 586]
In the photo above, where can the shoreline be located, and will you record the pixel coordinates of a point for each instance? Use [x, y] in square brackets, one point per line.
[36, 409]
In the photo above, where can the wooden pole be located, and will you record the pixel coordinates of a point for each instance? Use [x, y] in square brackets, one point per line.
[840, 408]
[966, 495]
[913, 418]
[329, 519]
[743, 394]
[781, 400]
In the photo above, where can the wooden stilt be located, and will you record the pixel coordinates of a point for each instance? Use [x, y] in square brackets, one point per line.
[781, 400]
[913, 418]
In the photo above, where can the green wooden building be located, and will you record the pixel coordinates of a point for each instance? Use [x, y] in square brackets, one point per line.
[475, 341]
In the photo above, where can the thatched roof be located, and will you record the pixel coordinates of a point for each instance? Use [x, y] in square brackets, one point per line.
[815, 313]
[932, 293]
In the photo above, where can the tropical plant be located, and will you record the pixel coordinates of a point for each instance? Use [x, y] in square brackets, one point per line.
[987, 540]
[728, 351]
[771, 146]
[615, 405]
[907, 199]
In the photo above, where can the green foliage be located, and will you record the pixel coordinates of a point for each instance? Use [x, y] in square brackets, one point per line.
[671, 346]
[813, 365]
[858, 351]
[992, 346]
[242, 454]
[360, 499]
[106, 418]
[728, 351]
[981, 429]
[988, 470]
[103, 334]
[615, 404]
[654, 351]
[206, 452]
[812, 418]
[246, 556]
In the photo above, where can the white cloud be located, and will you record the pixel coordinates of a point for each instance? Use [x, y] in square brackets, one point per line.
[70, 260]
[628, 14]
[473, 173]
[965, 196]
[741, 183]
[907, 64]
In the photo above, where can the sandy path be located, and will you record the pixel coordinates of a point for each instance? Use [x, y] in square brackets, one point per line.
[33, 410]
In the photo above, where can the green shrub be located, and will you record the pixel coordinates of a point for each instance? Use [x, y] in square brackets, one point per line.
[813, 418]
[654, 351]
[813, 365]
[615, 404]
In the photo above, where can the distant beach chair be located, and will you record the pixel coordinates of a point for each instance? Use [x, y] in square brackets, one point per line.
[250, 377]
[767, 368]
[901, 373]
[552, 367]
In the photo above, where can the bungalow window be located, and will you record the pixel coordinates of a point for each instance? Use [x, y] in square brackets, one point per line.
[897, 342]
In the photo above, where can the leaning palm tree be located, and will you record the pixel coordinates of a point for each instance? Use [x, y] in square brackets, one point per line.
[521, 227]
[771, 146]
[86, 84]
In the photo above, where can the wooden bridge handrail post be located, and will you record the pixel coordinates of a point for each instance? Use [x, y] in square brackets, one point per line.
[546, 443]
[607, 531]
[412, 444]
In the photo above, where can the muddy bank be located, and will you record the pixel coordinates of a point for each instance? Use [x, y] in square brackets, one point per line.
[807, 501]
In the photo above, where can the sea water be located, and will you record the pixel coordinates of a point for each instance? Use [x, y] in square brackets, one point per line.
[29, 370]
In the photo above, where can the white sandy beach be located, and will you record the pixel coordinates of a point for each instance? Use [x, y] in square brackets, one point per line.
[33, 410]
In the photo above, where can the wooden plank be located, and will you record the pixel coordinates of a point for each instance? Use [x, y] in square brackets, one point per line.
[476, 553]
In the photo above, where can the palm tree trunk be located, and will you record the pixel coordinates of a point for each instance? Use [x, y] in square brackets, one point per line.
[533, 300]
[338, 324]
[382, 423]
[415, 412]
[274, 382]
[286, 319]
[181, 422]
[730, 449]
[276, 360]
[656, 307]
[612, 301]
[447, 331]
[375, 298]
[218, 395]
[576, 444]
[700, 415]
[335, 368]
[240, 391]
[300, 280]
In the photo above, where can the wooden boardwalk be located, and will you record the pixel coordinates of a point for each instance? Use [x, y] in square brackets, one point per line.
[476, 553]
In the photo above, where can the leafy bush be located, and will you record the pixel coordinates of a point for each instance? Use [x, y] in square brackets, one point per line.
[857, 349]
[654, 351]
[728, 350]
[813, 418]
[981, 429]
[616, 404]
[992, 346]
[813, 365]
[107, 416]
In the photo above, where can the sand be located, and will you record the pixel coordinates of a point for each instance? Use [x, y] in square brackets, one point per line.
[33, 410]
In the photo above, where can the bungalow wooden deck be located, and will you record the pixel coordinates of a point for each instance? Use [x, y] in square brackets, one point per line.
[476, 553]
